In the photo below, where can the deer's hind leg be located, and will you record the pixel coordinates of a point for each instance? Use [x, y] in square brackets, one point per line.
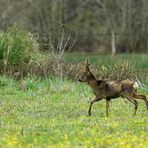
[107, 106]
[132, 100]
[143, 97]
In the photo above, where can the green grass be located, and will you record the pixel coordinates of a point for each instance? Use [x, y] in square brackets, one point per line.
[53, 113]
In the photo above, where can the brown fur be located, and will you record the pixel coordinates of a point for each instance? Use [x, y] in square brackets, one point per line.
[111, 89]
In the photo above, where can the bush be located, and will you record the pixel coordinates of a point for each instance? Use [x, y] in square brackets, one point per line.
[17, 45]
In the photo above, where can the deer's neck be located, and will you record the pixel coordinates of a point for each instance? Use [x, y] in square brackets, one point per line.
[92, 83]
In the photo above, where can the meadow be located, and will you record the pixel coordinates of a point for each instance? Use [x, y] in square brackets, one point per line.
[53, 112]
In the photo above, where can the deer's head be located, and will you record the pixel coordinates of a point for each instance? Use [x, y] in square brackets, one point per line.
[86, 75]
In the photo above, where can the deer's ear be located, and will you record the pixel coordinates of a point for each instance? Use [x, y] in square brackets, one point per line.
[87, 62]
[87, 70]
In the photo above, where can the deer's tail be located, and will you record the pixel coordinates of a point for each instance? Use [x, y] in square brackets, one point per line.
[135, 85]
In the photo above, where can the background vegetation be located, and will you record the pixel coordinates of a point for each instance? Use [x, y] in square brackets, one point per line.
[98, 22]
[20, 57]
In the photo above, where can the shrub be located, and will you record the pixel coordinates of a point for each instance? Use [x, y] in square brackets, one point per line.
[17, 45]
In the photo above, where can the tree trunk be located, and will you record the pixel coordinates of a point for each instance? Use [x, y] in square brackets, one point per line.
[113, 44]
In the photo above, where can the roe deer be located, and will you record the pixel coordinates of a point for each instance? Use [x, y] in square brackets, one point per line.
[108, 90]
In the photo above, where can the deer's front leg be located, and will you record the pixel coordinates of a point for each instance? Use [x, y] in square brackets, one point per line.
[95, 100]
[107, 106]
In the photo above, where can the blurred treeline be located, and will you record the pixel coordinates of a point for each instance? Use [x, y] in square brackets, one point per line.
[102, 24]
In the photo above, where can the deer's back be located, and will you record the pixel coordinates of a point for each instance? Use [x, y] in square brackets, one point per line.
[112, 89]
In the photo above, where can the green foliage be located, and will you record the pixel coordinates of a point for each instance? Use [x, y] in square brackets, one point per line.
[53, 113]
[17, 45]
